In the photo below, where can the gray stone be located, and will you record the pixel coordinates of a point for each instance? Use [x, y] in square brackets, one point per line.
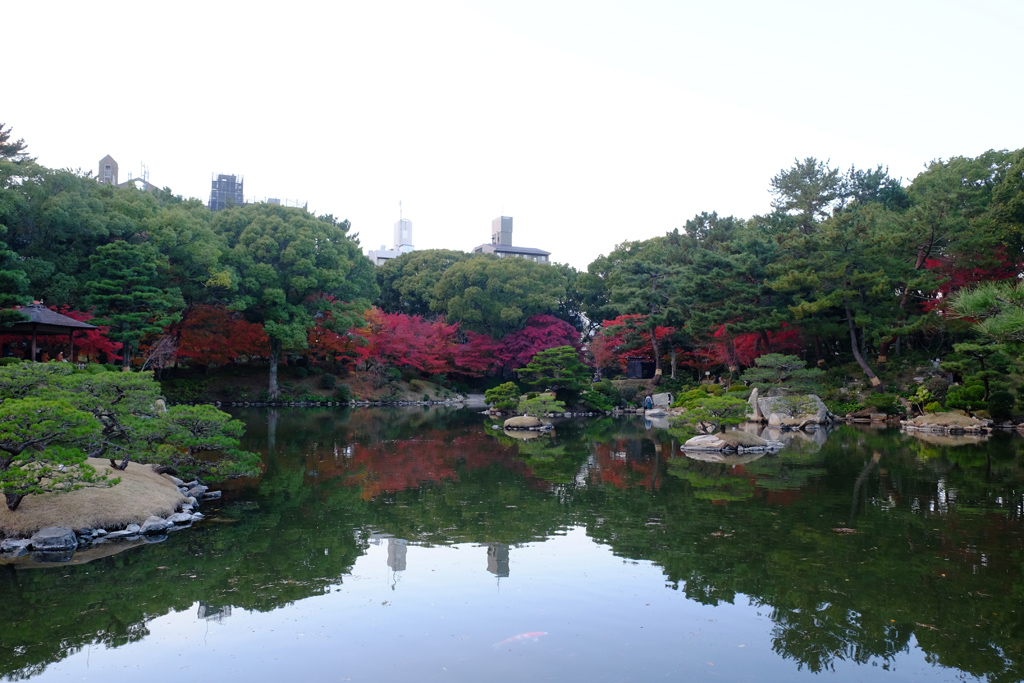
[180, 518]
[176, 481]
[793, 410]
[196, 516]
[15, 546]
[212, 495]
[197, 491]
[123, 533]
[755, 412]
[155, 525]
[135, 528]
[99, 532]
[54, 538]
[194, 482]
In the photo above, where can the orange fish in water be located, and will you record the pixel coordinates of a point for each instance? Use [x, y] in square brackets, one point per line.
[532, 635]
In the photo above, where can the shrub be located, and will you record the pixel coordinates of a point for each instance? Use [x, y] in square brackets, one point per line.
[503, 397]
[628, 394]
[1000, 405]
[933, 407]
[595, 400]
[969, 397]
[937, 386]
[842, 407]
[327, 381]
[9, 360]
[541, 405]
[95, 368]
[111, 367]
[300, 372]
[885, 403]
[343, 393]
[426, 397]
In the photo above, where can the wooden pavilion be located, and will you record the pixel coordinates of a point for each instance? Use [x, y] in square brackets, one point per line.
[43, 321]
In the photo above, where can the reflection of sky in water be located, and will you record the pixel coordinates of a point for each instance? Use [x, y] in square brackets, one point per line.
[606, 619]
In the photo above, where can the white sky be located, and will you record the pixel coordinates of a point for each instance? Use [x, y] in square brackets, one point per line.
[588, 122]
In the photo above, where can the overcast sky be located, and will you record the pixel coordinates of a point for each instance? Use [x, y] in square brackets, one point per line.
[589, 123]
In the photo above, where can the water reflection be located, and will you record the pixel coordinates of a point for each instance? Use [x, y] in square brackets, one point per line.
[861, 546]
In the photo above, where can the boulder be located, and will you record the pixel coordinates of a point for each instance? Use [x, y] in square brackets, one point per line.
[212, 495]
[731, 441]
[13, 547]
[523, 422]
[755, 412]
[55, 538]
[180, 518]
[196, 491]
[155, 525]
[661, 400]
[793, 411]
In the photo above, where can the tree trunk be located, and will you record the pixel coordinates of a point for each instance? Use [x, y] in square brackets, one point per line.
[875, 382]
[766, 343]
[126, 359]
[275, 351]
[673, 354]
[13, 500]
[657, 359]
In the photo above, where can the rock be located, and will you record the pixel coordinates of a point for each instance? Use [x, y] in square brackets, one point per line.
[160, 406]
[180, 518]
[13, 547]
[190, 484]
[212, 495]
[196, 516]
[99, 532]
[661, 400]
[134, 528]
[57, 538]
[197, 491]
[755, 412]
[176, 481]
[123, 533]
[793, 410]
[155, 525]
[706, 442]
[523, 422]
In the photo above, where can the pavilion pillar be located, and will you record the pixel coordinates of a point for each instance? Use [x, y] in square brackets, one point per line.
[33, 343]
[71, 341]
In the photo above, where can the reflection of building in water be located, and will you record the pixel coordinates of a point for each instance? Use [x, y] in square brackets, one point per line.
[397, 549]
[497, 559]
[212, 613]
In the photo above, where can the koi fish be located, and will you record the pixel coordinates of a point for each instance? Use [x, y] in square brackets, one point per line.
[532, 635]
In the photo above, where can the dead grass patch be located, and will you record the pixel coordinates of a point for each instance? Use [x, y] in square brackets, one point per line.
[141, 493]
[946, 420]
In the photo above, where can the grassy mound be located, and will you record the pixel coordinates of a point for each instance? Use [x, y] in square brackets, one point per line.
[946, 420]
[141, 493]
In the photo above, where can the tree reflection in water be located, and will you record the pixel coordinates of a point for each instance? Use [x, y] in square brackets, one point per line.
[858, 546]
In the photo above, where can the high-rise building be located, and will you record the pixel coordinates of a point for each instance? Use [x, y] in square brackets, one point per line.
[225, 191]
[402, 245]
[501, 243]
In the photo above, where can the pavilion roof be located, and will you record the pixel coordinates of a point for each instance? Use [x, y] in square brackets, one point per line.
[42, 320]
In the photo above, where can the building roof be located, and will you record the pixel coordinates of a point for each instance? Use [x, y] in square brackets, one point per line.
[42, 320]
[495, 248]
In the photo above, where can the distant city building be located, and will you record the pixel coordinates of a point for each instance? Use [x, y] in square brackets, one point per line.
[107, 174]
[225, 191]
[402, 245]
[501, 243]
[108, 171]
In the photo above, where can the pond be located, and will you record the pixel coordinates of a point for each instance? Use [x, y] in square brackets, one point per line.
[421, 544]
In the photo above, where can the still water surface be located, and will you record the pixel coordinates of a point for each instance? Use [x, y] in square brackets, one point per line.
[399, 545]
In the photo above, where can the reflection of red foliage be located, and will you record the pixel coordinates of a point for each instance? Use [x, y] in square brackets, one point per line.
[213, 334]
[618, 466]
[434, 457]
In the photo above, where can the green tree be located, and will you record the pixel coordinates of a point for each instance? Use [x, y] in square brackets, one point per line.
[496, 296]
[998, 309]
[557, 369]
[43, 448]
[503, 397]
[126, 290]
[407, 282]
[192, 431]
[286, 267]
[710, 412]
[776, 369]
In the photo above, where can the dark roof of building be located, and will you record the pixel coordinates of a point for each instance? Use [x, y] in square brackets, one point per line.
[42, 320]
[496, 248]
